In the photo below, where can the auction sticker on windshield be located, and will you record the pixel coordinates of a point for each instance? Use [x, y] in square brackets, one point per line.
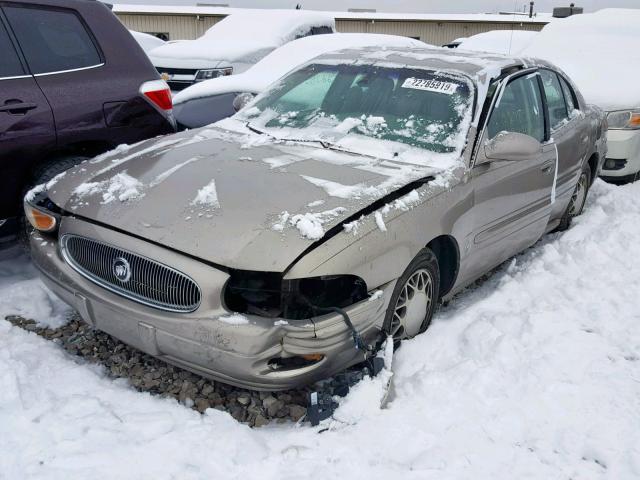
[430, 85]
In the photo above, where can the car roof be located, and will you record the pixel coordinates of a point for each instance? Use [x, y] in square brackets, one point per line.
[468, 63]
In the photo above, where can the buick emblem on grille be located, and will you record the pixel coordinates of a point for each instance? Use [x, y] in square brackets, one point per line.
[122, 269]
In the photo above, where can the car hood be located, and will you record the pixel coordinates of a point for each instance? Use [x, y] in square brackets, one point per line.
[204, 54]
[241, 83]
[237, 200]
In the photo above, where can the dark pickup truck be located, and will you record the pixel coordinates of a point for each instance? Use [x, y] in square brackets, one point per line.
[73, 84]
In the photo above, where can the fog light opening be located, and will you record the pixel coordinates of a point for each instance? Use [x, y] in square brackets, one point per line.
[293, 363]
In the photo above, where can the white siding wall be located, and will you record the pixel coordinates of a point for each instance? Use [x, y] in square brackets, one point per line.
[435, 33]
[187, 27]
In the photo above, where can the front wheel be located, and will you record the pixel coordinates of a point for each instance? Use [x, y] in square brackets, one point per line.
[414, 298]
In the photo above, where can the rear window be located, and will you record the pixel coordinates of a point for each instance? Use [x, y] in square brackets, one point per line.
[9, 63]
[52, 40]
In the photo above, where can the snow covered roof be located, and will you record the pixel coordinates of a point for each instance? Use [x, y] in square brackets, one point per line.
[507, 42]
[599, 52]
[440, 17]
[146, 41]
[245, 35]
[286, 58]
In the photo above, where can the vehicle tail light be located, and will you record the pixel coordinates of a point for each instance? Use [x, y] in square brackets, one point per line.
[158, 93]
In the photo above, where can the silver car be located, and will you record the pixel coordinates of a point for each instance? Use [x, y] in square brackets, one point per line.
[278, 247]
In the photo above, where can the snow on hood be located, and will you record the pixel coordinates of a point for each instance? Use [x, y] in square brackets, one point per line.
[599, 52]
[287, 58]
[243, 37]
[506, 42]
[238, 191]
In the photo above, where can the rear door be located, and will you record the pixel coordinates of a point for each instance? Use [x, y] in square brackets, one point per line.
[569, 134]
[66, 62]
[512, 198]
[26, 124]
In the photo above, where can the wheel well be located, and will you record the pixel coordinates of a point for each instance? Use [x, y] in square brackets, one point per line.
[446, 250]
[593, 165]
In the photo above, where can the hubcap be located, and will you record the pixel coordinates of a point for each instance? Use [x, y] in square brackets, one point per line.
[579, 196]
[412, 305]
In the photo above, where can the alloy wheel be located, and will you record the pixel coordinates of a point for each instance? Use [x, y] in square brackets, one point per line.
[579, 196]
[412, 305]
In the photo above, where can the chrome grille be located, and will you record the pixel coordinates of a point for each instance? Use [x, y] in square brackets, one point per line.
[148, 282]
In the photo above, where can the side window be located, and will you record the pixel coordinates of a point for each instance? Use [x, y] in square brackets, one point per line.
[320, 30]
[10, 65]
[52, 40]
[519, 109]
[569, 96]
[555, 98]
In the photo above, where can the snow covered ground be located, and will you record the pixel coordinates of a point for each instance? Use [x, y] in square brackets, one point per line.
[535, 373]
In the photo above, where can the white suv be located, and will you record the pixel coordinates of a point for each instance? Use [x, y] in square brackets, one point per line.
[234, 44]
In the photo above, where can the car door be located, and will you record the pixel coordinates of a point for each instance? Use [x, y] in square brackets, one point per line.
[63, 56]
[26, 124]
[569, 135]
[512, 197]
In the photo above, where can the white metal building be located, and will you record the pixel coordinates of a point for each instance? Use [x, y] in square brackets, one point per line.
[189, 22]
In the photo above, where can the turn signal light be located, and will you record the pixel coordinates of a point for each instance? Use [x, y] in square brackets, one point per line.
[40, 220]
[313, 357]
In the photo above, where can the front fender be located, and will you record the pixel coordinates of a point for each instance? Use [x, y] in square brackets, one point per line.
[379, 246]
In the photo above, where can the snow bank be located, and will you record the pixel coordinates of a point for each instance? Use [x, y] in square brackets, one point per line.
[286, 58]
[244, 36]
[506, 42]
[599, 52]
[533, 374]
[22, 293]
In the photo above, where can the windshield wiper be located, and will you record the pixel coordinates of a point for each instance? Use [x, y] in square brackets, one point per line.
[323, 143]
[257, 130]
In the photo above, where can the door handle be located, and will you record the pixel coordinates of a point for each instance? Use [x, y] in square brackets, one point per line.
[17, 107]
[547, 167]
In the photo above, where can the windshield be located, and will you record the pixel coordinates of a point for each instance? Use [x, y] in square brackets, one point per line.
[319, 102]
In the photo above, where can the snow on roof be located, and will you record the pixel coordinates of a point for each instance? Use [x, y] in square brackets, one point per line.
[275, 26]
[599, 52]
[507, 42]
[146, 41]
[440, 17]
[245, 35]
[286, 58]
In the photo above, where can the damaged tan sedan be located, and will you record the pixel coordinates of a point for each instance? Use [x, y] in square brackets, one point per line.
[278, 247]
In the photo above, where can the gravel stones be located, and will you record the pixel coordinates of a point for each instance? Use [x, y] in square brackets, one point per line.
[148, 374]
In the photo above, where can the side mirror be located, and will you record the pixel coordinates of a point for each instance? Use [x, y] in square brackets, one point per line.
[241, 100]
[512, 146]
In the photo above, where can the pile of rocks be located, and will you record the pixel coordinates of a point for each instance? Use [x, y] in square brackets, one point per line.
[148, 374]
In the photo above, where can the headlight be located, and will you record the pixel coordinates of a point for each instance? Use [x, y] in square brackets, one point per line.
[624, 120]
[40, 219]
[268, 294]
[208, 74]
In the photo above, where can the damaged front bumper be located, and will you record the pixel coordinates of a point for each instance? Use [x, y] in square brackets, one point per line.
[245, 351]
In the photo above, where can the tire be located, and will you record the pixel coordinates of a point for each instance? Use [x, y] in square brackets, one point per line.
[414, 298]
[578, 199]
[43, 173]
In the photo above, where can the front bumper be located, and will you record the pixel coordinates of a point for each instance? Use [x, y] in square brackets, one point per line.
[623, 155]
[203, 341]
